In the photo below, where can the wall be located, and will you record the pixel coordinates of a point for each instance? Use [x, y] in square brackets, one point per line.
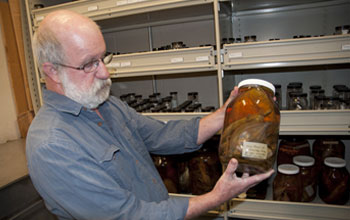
[8, 120]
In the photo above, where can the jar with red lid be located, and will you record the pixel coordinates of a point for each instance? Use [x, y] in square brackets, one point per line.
[251, 128]
[308, 176]
[335, 182]
[167, 168]
[327, 147]
[205, 167]
[286, 185]
[290, 147]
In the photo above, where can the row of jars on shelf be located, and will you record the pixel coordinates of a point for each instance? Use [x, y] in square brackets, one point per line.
[156, 103]
[300, 171]
[297, 99]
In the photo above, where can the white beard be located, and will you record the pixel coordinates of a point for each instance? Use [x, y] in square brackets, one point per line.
[88, 97]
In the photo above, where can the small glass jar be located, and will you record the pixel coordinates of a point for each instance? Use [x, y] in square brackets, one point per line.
[251, 128]
[286, 185]
[174, 102]
[278, 95]
[308, 176]
[290, 147]
[335, 181]
[328, 146]
[331, 102]
[293, 87]
[336, 89]
[313, 94]
[298, 101]
[193, 96]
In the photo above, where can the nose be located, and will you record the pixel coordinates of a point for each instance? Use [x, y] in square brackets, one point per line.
[102, 72]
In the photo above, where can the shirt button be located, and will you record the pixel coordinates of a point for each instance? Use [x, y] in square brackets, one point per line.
[154, 181]
[99, 124]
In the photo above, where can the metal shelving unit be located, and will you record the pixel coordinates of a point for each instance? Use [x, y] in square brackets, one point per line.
[241, 56]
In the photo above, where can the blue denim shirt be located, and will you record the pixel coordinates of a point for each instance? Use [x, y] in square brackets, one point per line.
[88, 168]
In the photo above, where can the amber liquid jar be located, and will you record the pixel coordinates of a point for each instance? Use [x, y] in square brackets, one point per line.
[167, 168]
[307, 175]
[286, 185]
[204, 167]
[335, 182]
[290, 147]
[251, 128]
[327, 147]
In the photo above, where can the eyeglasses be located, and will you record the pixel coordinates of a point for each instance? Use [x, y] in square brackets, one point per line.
[92, 65]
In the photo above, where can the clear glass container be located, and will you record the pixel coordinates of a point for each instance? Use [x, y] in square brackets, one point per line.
[314, 91]
[313, 94]
[193, 96]
[308, 176]
[278, 95]
[293, 87]
[286, 185]
[335, 182]
[251, 128]
[331, 103]
[336, 89]
[298, 101]
[174, 102]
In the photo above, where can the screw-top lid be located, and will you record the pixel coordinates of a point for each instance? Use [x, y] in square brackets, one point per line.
[303, 160]
[335, 162]
[259, 82]
[289, 169]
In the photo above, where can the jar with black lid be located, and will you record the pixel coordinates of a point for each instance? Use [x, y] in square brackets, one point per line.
[293, 87]
[308, 176]
[251, 128]
[298, 101]
[290, 147]
[286, 185]
[335, 182]
[278, 95]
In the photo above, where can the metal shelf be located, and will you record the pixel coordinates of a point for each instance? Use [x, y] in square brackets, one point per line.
[275, 210]
[106, 9]
[307, 122]
[195, 59]
[287, 53]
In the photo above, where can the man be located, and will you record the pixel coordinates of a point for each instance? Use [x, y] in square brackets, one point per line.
[88, 153]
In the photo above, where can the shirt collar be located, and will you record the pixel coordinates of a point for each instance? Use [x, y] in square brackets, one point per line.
[61, 103]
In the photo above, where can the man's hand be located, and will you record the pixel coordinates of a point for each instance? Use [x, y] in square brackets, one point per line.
[228, 186]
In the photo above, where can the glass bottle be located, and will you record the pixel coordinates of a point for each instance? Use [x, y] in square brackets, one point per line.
[297, 101]
[286, 185]
[205, 167]
[174, 102]
[251, 128]
[335, 182]
[293, 87]
[290, 147]
[308, 176]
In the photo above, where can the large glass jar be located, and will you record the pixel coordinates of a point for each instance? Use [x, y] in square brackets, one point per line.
[204, 167]
[167, 168]
[286, 185]
[327, 147]
[251, 128]
[308, 176]
[335, 182]
[290, 147]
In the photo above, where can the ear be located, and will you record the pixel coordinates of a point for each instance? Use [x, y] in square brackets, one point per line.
[50, 71]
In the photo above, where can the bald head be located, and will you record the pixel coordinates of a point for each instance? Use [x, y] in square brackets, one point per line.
[61, 30]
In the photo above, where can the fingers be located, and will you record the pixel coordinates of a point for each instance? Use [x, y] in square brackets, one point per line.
[231, 167]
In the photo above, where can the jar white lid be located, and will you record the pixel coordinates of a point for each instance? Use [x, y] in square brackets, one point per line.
[259, 82]
[304, 160]
[289, 169]
[335, 162]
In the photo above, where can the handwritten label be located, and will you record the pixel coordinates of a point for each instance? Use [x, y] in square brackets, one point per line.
[93, 8]
[177, 60]
[254, 150]
[235, 55]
